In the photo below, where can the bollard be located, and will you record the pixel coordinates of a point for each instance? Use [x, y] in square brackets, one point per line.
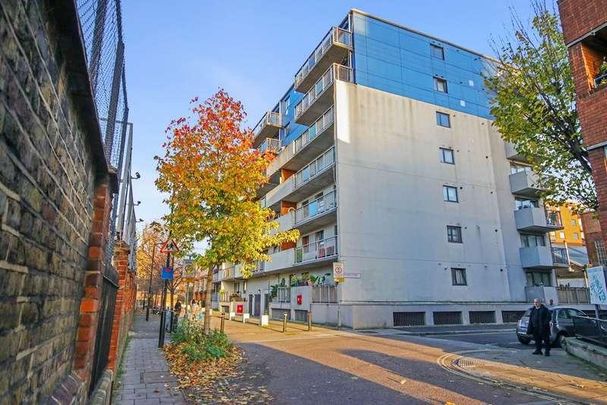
[309, 321]
[223, 319]
[284, 322]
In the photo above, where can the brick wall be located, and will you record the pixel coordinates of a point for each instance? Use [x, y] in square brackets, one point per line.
[581, 16]
[592, 233]
[51, 163]
[578, 19]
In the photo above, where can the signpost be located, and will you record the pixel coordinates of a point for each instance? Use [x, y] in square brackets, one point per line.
[338, 272]
[597, 284]
[167, 273]
[168, 247]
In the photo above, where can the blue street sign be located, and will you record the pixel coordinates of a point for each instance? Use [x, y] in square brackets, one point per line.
[167, 273]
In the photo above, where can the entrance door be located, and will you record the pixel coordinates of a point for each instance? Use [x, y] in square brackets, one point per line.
[250, 303]
[257, 306]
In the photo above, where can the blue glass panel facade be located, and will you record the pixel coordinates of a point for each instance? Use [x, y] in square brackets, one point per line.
[291, 130]
[399, 61]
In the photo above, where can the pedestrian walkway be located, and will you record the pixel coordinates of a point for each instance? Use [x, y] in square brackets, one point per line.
[146, 378]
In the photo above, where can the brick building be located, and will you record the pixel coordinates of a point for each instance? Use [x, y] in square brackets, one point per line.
[585, 31]
[66, 303]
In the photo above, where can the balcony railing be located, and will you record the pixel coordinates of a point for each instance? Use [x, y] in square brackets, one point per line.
[269, 125]
[316, 207]
[324, 294]
[270, 145]
[325, 121]
[335, 72]
[283, 294]
[316, 250]
[260, 266]
[560, 256]
[335, 36]
[316, 167]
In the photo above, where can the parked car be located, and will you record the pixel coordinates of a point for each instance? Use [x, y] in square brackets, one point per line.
[561, 325]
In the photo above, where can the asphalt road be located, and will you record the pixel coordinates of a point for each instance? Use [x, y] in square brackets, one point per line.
[505, 339]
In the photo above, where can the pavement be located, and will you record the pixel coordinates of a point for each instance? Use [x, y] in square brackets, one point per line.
[146, 378]
[389, 366]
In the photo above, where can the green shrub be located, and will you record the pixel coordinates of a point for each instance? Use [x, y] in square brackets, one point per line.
[197, 346]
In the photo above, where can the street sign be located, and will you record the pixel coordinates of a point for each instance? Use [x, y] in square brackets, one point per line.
[597, 285]
[169, 247]
[338, 272]
[167, 273]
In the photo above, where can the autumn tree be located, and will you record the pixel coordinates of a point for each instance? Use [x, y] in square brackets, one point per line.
[534, 106]
[149, 259]
[211, 174]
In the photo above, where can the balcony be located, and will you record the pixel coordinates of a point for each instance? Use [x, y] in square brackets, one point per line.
[536, 257]
[560, 257]
[285, 222]
[524, 183]
[317, 213]
[532, 219]
[280, 261]
[321, 250]
[512, 153]
[316, 139]
[320, 97]
[333, 48]
[267, 127]
[312, 178]
[269, 145]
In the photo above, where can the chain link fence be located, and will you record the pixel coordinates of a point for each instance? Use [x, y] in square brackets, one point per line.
[101, 30]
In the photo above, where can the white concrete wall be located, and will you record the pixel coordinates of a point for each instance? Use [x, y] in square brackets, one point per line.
[392, 218]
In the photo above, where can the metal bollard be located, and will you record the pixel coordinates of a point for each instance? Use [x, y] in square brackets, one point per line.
[284, 322]
[223, 319]
[309, 321]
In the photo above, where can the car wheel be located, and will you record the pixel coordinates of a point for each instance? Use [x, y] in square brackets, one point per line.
[560, 340]
[524, 340]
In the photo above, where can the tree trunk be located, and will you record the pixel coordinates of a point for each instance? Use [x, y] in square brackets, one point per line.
[207, 302]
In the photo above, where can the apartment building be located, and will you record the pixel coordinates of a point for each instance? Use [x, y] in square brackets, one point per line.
[388, 163]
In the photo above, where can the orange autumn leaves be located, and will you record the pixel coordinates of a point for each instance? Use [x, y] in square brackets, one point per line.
[211, 174]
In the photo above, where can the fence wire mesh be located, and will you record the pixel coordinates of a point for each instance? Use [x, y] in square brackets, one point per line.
[101, 29]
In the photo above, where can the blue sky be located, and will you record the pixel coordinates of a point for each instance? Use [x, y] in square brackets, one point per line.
[185, 48]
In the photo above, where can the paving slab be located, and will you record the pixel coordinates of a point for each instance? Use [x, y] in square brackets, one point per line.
[146, 378]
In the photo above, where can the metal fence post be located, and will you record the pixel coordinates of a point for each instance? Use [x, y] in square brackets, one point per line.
[284, 322]
[223, 320]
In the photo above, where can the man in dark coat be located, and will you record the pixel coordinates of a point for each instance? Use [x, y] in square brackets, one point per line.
[539, 326]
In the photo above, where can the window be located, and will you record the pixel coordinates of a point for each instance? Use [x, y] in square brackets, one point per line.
[443, 120]
[450, 194]
[520, 203]
[440, 85]
[437, 51]
[562, 235]
[286, 103]
[458, 276]
[446, 156]
[538, 279]
[514, 168]
[576, 236]
[454, 234]
[530, 240]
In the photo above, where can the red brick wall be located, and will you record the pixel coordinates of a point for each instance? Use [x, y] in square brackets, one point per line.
[592, 233]
[89, 305]
[581, 16]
